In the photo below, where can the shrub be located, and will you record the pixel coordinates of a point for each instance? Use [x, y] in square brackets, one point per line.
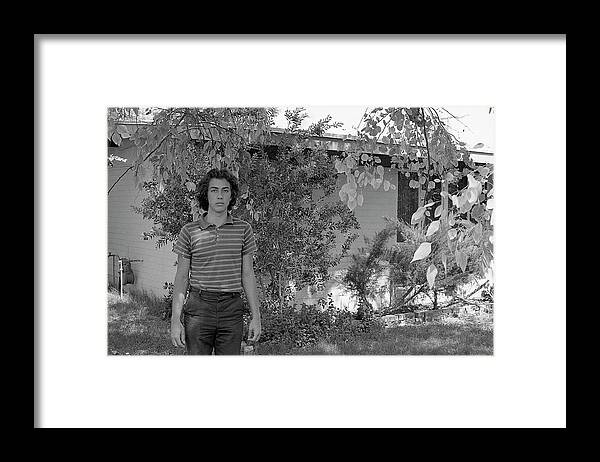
[284, 191]
[297, 325]
[366, 265]
[413, 276]
[302, 325]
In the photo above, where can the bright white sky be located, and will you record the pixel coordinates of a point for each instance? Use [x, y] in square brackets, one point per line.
[475, 124]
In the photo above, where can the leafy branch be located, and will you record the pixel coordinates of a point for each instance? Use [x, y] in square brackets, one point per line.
[148, 155]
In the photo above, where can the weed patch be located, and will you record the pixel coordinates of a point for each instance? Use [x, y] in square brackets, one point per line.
[135, 326]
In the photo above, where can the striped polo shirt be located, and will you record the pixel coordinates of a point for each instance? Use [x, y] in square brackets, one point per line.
[216, 252]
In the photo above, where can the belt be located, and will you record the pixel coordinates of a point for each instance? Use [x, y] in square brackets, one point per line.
[213, 293]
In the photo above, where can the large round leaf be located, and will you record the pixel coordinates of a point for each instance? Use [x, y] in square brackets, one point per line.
[359, 199]
[431, 274]
[351, 204]
[116, 138]
[461, 260]
[432, 228]
[123, 131]
[417, 215]
[422, 252]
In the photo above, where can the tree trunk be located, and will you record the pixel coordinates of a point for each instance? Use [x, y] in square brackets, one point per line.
[365, 309]
[444, 217]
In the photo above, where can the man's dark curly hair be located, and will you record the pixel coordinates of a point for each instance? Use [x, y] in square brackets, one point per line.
[222, 174]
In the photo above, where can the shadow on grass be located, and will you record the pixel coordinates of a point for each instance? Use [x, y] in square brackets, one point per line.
[140, 344]
[427, 339]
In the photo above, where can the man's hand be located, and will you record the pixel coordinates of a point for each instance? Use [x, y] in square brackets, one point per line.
[254, 329]
[177, 333]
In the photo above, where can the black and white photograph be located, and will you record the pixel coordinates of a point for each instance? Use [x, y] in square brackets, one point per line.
[288, 231]
[299, 231]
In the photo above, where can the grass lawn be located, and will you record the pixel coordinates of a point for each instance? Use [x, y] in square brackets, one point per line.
[434, 338]
[135, 327]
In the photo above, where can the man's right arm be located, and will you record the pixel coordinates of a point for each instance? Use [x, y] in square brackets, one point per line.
[179, 290]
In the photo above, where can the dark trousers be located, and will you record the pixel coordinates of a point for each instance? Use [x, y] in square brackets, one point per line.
[213, 321]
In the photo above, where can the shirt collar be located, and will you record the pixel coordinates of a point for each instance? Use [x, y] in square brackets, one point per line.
[205, 224]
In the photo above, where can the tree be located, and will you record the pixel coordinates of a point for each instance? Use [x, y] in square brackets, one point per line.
[174, 140]
[422, 149]
[285, 185]
[285, 196]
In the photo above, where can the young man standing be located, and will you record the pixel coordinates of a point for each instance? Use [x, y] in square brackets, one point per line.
[216, 260]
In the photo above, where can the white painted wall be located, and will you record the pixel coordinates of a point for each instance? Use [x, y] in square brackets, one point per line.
[376, 205]
[125, 228]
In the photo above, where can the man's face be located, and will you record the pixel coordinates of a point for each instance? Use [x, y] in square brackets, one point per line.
[219, 194]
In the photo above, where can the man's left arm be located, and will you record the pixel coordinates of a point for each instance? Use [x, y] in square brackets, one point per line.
[249, 283]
